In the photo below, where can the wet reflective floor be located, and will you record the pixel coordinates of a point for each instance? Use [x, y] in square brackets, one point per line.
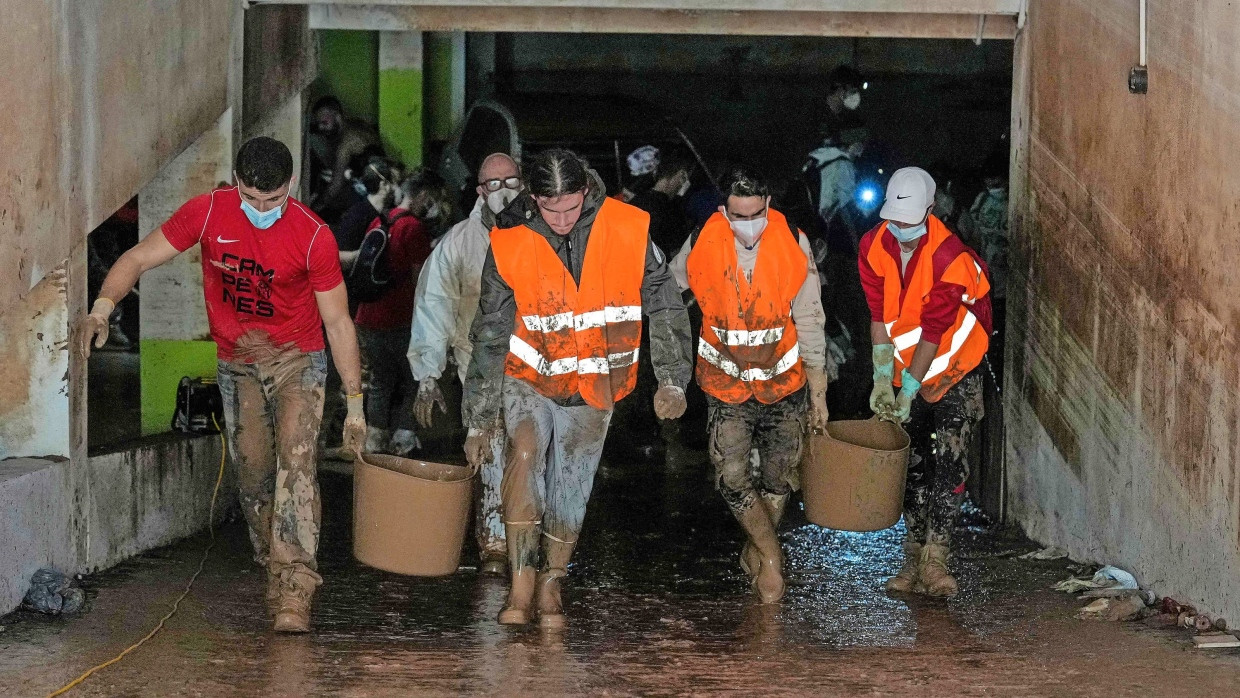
[657, 606]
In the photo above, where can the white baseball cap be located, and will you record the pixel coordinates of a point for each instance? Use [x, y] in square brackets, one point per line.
[910, 193]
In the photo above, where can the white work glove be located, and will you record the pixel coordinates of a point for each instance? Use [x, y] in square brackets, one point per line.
[478, 445]
[669, 402]
[429, 395]
[94, 327]
[354, 439]
[817, 379]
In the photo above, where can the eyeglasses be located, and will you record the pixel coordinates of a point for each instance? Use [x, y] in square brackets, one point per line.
[505, 183]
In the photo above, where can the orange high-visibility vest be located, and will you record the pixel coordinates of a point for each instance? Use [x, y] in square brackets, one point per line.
[964, 344]
[748, 344]
[569, 339]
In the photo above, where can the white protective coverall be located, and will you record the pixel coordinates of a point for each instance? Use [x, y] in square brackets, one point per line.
[444, 307]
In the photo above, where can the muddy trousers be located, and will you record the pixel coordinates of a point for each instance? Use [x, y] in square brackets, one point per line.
[940, 434]
[488, 522]
[272, 413]
[551, 458]
[776, 431]
[387, 380]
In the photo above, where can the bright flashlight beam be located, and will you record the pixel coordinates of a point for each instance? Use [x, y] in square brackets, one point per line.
[867, 195]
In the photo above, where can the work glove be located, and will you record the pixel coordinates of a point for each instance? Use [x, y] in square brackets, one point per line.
[354, 439]
[478, 445]
[429, 395]
[883, 397]
[817, 379]
[94, 327]
[904, 399]
[669, 402]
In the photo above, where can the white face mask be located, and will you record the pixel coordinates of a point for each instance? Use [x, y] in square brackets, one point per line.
[852, 101]
[499, 199]
[432, 212]
[684, 188]
[748, 232]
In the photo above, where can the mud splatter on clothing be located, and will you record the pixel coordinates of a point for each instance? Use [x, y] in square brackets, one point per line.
[940, 433]
[551, 458]
[775, 430]
[272, 413]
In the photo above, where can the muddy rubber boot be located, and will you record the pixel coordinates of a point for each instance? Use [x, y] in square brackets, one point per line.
[775, 505]
[522, 555]
[768, 579]
[905, 580]
[293, 613]
[556, 554]
[933, 577]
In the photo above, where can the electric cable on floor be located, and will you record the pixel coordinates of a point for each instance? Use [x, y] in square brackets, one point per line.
[176, 604]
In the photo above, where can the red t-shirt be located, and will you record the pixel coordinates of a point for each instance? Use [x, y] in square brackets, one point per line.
[258, 279]
[408, 248]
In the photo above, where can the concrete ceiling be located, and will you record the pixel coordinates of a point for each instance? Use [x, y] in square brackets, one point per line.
[931, 19]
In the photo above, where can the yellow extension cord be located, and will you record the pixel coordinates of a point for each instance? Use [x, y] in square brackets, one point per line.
[176, 604]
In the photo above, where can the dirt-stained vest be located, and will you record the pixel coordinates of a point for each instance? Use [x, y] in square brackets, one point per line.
[569, 338]
[964, 344]
[748, 344]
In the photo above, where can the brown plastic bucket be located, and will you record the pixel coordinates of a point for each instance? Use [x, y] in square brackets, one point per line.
[410, 516]
[852, 475]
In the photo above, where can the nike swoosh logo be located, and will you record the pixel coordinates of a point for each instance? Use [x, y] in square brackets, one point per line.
[222, 240]
[897, 196]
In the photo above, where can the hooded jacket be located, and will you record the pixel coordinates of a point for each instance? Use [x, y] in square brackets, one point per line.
[668, 322]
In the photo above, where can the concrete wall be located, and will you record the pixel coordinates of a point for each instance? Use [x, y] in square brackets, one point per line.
[1123, 438]
[104, 95]
[134, 500]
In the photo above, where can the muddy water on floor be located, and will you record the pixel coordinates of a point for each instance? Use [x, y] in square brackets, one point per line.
[657, 606]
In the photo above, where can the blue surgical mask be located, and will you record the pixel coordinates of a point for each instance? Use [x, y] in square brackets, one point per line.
[360, 188]
[907, 234]
[263, 219]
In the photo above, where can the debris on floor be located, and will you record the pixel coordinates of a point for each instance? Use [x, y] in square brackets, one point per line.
[1050, 553]
[53, 593]
[1215, 640]
[1108, 577]
[1114, 609]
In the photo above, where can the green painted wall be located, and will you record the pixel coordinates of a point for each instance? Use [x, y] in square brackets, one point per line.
[440, 119]
[400, 114]
[164, 363]
[349, 69]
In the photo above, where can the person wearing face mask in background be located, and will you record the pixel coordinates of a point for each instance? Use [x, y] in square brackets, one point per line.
[444, 308]
[383, 325]
[761, 360]
[929, 299]
[336, 144]
[272, 283]
[380, 180]
[668, 224]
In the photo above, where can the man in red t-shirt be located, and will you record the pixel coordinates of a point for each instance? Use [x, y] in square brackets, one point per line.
[272, 282]
[383, 325]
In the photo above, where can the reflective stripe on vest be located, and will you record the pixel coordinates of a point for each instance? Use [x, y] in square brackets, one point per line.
[964, 344]
[748, 344]
[577, 338]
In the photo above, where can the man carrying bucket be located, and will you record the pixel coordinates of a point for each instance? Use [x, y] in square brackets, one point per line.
[272, 281]
[447, 300]
[568, 277]
[761, 344]
[929, 301]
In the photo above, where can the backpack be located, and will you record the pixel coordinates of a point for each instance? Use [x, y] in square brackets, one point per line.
[371, 277]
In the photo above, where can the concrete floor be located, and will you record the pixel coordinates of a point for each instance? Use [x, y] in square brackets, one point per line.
[657, 606]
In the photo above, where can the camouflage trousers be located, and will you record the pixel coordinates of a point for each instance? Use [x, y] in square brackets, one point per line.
[551, 458]
[938, 464]
[775, 431]
[271, 421]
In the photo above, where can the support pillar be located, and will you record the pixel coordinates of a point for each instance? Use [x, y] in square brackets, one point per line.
[285, 125]
[400, 95]
[175, 337]
[445, 84]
